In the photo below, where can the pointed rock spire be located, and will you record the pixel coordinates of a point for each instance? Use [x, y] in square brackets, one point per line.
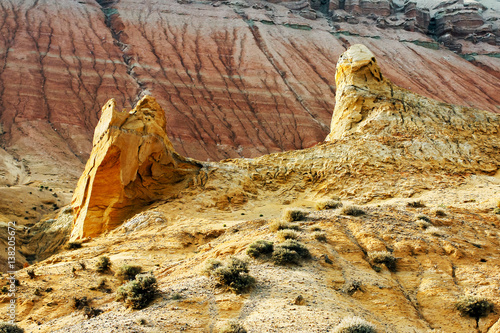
[132, 164]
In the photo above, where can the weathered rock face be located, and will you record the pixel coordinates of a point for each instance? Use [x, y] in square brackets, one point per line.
[388, 147]
[132, 164]
[366, 7]
[241, 80]
[369, 106]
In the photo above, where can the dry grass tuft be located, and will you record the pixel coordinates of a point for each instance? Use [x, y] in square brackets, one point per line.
[294, 214]
[328, 204]
[287, 234]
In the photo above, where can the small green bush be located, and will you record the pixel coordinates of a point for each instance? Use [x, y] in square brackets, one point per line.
[298, 247]
[234, 275]
[352, 211]
[210, 266]
[290, 252]
[103, 264]
[354, 325]
[233, 327]
[435, 231]
[74, 245]
[474, 306]
[424, 218]
[31, 273]
[383, 257]
[10, 328]
[439, 212]
[91, 312]
[128, 272]
[282, 256]
[496, 211]
[176, 296]
[294, 214]
[79, 303]
[416, 204]
[287, 234]
[320, 236]
[328, 204]
[139, 292]
[276, 225]
[422, 224]
[260, 247]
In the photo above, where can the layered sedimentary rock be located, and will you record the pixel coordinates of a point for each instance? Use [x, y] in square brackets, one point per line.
[240, 79]
[132, 164]
[369, 106]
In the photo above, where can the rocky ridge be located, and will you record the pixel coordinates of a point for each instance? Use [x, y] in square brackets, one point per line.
[272, 70]
[389, 149]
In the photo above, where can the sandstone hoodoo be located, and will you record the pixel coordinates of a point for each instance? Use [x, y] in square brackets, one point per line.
[391, 119]
[132, 164]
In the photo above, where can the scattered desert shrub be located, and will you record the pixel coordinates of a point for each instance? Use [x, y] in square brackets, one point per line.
[422, 224]
[287, 234]
[31, 273]
[294, 214]
[176, 296]
[383, 257]
[424, 218]
[416, 204]
[101, 286]
[352, 287]
[234, 275]
[320, 236]
[435, 231]
[82, 264]
[474, 306]
[352, 211]
[91, 312]
[79, 303]
[282, 256]
[328, 204]
[10, 328]
[128, 272]
[290, 252]
[141, 321]
[354, 325]
[298, 247]
[438, 212]
[74, 245]
[276, 225]
[103, 264]
[139, 292]
[37, 292]
[210, 266]
[496, 211]
[260, 247]
[233, 327]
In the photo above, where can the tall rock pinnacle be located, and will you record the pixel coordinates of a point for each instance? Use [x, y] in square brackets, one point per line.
[371, 111]
[359, 82]
[132, 164]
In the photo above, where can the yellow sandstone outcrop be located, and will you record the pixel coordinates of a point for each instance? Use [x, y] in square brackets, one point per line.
[132, 164]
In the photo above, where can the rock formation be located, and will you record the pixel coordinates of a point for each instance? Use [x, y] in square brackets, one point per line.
[132, 164]
[371, 107]
[229, 73]
[425, 171]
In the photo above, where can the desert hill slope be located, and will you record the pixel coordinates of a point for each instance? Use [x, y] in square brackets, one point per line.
[238, 78]
[425, 173]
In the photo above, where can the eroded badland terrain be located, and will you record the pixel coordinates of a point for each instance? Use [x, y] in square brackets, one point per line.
[376, 121]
